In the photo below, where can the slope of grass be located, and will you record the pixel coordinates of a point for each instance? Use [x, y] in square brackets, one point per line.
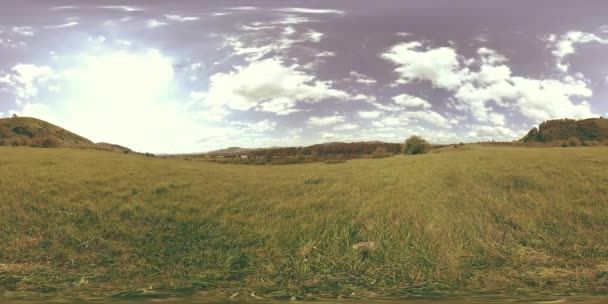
[473, 219]
[26, 131]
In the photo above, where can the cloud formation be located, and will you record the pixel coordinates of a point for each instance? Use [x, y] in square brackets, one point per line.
[270, 86]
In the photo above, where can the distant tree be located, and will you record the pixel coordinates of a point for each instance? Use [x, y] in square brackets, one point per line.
[14, 116]
[416, 145]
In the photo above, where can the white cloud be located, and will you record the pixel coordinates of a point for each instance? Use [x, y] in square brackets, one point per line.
[291, 20]
[325, 121]
[369, 114]
[390, 121]
[535, 99]
[488, 133]
[411, 101]
[438, 65]
[23, 30]
[309, 10]
[565, 45]
[62, 8]
[314, 36]
[326, 54]
[23, 79]
[37, 110]
[243, 8]
[430, 117]
[153, 23]
[346, 127]
[549, 99]
[180, 18]
[260, 126]
[269, 86]
[289, 30]
[60, 26]
[362, 78]
[490, 56]
[123, 8]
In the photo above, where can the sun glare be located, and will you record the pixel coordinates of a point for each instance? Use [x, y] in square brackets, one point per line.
[121, 90]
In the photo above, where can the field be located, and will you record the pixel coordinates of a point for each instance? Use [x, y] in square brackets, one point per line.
[462, 221]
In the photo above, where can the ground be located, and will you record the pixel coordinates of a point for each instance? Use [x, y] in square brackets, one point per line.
[457, 222]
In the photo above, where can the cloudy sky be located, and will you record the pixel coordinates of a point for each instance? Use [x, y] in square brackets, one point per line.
[191, 76]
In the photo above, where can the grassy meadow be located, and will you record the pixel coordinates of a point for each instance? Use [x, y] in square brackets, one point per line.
[467, 220]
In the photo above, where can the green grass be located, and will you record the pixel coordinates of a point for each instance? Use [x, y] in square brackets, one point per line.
[481, 220]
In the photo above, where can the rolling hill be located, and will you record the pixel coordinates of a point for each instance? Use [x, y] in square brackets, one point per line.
[553, 132]
[28, 131]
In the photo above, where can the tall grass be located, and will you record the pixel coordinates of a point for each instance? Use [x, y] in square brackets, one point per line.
[489, 219]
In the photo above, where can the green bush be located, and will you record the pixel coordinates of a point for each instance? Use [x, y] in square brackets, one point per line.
[51, 142]
[416, 145]
[573, 142]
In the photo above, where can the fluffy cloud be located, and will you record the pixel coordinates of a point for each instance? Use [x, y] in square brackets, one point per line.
[429, 117]
[314, 36]
[536, 99]
[362, 78]
[325, 121]
[411, 101]
[24, 79]
[346, 127]
[488, 133]
[492, 86]
[260, 126]
[153, 23]
[268, 86]
[369, 114]
[565, 45]
[438, 65]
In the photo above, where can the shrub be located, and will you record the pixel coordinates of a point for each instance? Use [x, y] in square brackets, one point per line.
[380, 152]
[573, 142]
[335, 161]
[50, 142]
[416, 145]
[565, 144]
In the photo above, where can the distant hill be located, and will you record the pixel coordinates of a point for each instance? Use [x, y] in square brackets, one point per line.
[560, 131]
[112, 147]
[28, 131]
[230, 151]
[331, 148]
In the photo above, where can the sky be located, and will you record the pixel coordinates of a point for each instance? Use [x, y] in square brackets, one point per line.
[193, 76]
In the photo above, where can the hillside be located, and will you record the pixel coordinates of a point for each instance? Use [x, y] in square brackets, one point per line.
[27, 131]
[569, 131]
[33, 132]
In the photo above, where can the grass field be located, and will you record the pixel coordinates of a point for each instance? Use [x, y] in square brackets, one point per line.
[478, 220]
